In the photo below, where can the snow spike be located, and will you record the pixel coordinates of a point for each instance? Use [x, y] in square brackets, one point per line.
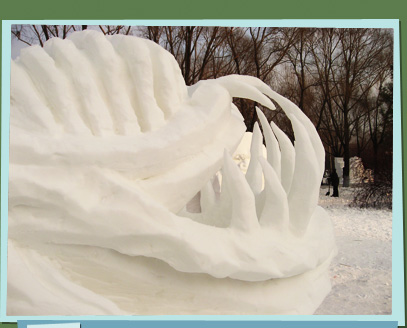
[243, 216]
[273, 150]
[287, 157]
[253, 174]
[275, 211]
[208, 197]
[240, 89]
[304, 192]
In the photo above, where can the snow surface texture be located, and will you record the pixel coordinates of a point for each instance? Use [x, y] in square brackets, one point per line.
[361, 273]
[108, 146]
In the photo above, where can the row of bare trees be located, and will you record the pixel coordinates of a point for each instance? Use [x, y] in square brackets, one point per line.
[341, 78]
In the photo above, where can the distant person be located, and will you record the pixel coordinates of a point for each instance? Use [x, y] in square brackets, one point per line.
[335, 183]
[327, 176]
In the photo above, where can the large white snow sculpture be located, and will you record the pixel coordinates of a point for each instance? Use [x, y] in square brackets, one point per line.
[107, 147]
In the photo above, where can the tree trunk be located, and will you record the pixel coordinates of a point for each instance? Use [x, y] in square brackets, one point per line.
[188, 54]
[376, 168]
[45, 30]
[346, 153]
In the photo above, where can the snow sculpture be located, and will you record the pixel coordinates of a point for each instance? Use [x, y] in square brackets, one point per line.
[108, 146]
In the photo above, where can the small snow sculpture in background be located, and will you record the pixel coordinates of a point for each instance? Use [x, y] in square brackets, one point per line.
[358, 173]
[107, 147]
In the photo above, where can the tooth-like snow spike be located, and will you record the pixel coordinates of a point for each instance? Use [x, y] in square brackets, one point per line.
[303, 196]
[240, 89]
[275, 211]
[244, 215]
[287, 157]
[208, 197]
[253, 174]
[273, 150]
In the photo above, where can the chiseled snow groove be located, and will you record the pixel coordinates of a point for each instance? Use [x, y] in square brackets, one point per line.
[169, 85]
[54, 87]
[78, 85]
[27, 105]
[139, 63]
[110, 82]
[75, 66]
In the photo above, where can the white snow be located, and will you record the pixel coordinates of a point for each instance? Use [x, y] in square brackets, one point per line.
[107, 146]
[361, 273]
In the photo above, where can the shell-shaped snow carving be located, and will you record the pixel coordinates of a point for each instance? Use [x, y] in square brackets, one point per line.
[108, 145]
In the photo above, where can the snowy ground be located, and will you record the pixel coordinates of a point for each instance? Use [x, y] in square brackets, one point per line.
[361, 272]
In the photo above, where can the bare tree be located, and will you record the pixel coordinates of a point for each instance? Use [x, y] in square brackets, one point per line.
[349, 63]
[363, 59]
[300, 58]
[336, 76]
[38, 34]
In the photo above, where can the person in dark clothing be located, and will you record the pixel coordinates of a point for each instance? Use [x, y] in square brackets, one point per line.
[335, 183]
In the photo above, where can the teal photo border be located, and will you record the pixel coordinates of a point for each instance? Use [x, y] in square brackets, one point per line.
[398, 315]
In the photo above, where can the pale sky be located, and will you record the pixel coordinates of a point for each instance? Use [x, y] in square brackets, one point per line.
[16, 46]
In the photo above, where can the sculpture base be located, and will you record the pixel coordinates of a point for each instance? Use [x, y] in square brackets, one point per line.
[82, 280]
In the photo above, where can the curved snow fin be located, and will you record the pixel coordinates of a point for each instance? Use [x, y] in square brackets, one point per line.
[253, 174]
[208, 197]
[275, 211]
[287, 157]
[273, 149]
[237, 88]
[243, 216]
[304, 191]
